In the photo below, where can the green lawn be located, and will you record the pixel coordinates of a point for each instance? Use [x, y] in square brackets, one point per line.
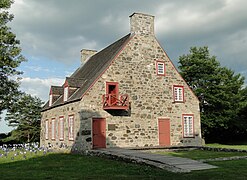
[229, 146]
[72, 166]
[199, 154]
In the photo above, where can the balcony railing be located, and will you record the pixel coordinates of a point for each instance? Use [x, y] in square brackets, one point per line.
[112, 101]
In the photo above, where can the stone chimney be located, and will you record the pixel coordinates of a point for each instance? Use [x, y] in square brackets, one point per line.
[86, 54]
[141, 24]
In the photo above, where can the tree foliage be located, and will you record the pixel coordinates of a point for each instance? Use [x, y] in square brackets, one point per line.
[25, 114]
[220, 92]
[10, 57]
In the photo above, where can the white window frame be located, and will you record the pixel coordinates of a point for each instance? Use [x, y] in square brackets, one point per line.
[61, 128]
[53, 129]
[160, 68]
[188, 125]
[50, 100]
[178, 93]
[65, 93]
[46, 129]
[71, 127]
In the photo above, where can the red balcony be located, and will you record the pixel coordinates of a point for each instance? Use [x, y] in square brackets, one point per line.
[112, 101]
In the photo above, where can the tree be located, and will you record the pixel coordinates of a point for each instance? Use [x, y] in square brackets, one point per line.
[241, 122]
[10, 58]
[219, 91]
[25, 114]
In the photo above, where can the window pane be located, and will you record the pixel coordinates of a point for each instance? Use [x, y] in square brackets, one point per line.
[188, 126]
[46, 129]
[178, 94]
[66, 91]
[71, 127]
[50, 100]
[61, 128]
[160, 68]
[53, 129]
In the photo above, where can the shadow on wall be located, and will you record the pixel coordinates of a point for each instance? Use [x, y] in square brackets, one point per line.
[115, 112]
[91, 133]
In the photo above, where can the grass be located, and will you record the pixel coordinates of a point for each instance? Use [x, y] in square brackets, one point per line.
[49, 165]
[226, 170]
[231, 146]
[72, 166]
[199, 154]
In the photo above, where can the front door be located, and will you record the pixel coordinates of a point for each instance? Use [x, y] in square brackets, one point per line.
[164, 132]
[99, 134]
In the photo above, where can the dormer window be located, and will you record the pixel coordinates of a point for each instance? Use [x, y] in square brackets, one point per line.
[55, 93]
[50, 100]
[65, 93]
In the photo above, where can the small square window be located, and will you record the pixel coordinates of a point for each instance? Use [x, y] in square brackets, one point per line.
[160, 68]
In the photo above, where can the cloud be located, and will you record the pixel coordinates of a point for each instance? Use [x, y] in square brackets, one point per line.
[39, 87]
[58, 31]
[38, 69]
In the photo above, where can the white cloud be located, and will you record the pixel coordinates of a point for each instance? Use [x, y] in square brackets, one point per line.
[39, 87]
[58, 31]
[39, 69]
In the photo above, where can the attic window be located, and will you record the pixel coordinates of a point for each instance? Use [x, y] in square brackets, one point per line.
[65, 93]
[160, 68]
[50, 100]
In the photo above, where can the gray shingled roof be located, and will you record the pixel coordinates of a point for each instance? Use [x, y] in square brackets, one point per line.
[57, 90]
[85, 75]
[75, 82]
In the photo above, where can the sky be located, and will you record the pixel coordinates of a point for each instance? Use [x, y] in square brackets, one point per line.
[52, 33]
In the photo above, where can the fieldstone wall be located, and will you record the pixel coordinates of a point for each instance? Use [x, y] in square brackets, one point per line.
[82, 130]
[142, 24]
[151, 98]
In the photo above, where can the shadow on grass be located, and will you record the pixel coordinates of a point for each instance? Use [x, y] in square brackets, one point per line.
[74, 166]
[63, 166]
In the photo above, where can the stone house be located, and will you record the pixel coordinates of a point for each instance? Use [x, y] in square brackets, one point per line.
[127, 95]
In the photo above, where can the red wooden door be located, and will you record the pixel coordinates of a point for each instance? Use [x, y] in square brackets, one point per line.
[164, 132]
[99, 134]
[112, 90]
